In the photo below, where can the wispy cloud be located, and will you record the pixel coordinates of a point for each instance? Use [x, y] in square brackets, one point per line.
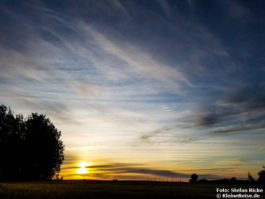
[165, 7]
[232, 162]
[129, 77]
[244, 110]
[136, 60]
[132, 171]
[146, 137]
[165, 136]
[237, 10]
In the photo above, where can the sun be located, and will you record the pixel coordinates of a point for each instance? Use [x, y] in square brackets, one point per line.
[83, 167]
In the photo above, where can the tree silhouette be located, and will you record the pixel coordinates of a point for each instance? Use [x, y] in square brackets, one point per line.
[30, 149]
[261, 174]
[11, 142]
[193, 178]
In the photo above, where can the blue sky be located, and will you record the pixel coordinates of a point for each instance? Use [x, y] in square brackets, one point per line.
[141, 89]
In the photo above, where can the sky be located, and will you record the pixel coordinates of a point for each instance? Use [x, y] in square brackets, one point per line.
[141, 90]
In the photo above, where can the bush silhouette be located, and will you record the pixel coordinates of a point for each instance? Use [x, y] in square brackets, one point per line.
[261, 174]
[233, 179]
[261, 178]
[30, 149]
[193, 178]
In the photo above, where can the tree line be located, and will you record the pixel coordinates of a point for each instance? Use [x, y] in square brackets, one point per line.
[30, 148]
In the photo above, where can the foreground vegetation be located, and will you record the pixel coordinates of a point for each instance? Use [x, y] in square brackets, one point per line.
[108, 189]
[30, 148]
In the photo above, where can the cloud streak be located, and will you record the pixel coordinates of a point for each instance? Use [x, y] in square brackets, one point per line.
[134, 170]
[156, 80]
[244, 110]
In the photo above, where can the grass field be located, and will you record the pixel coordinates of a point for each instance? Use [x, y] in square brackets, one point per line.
[108, 189]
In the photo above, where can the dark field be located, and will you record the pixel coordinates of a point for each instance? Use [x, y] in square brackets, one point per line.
[109, 189]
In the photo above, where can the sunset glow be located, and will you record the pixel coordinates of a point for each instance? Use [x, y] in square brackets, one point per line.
[143, 90]
[83, 168]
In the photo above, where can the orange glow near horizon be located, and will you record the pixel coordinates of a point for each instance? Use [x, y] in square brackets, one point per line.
[90, 168]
